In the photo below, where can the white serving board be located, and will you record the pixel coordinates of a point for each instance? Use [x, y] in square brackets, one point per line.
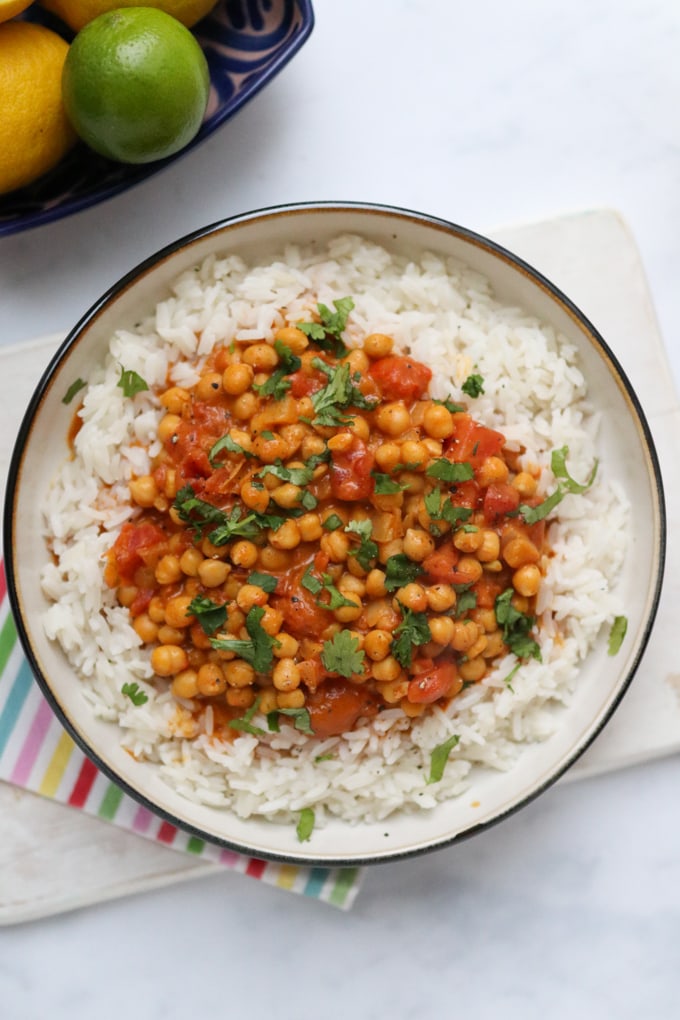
[54, 858]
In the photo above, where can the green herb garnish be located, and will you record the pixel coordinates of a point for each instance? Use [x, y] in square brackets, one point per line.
[449, 405]
[385, 485]
[342, 654]
[473, 386]
[134, 692]
[333, 522]
[327, 334]
[445, 511]
[300, 716]
[200, 515]
[465, 600]
[440, 756]
[367, 551]
[332, 401]
[516, 627]
[449, 470]
[267, 582]
[413, 631]
[74, 388]
[507, 680]
[211, 615]
[305, 825]
[244, 724]
[617, 634]
[259, 650]
[566, 486]
[228, 444]
[400, 570]
[131, 383]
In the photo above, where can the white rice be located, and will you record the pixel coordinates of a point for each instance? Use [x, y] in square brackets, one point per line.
[446, 316]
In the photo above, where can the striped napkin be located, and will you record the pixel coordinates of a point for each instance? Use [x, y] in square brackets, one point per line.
[37, 754]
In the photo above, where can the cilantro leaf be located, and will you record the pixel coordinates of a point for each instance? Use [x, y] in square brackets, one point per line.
[131, 383]
[566, 485]
[400, 570]
[367, 551]
[466, 600]
[507, 680]
[450, 471]
[199, 515]
[289, 361]
[134, 692]
[333, 522]
[516, 627]
[385, 485]
[298, 476]
[445, 511]
[259, 650]
[276, 386]
[342, 654]
[617, 634]
[211, 615]
[300, 716]
[228, 444]
[328, 333]
[312, 583]
[413, 631]
[305, 825]
[332, 401]
[244, 724]
[74, 388]
[449, 405]
[473, 385]
[440, 756]
[267, 582]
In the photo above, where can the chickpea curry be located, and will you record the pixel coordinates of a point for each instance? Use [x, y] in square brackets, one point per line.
[320, 539]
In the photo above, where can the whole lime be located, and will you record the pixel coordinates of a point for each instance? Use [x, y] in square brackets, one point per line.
[135, 85]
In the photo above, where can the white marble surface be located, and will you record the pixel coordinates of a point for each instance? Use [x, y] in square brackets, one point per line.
[489, 114]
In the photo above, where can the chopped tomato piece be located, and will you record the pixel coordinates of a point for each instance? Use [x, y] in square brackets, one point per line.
[472, 442]
[350, 472]
[136, 546]
[500, 499]
[440, 682]
[335, 707]
[440, 566]
[466, 494]
[400, 378]
[301, 614]
[302, 384]
[488, 588]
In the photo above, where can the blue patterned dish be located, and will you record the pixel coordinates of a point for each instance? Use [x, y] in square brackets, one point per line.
[246, 42]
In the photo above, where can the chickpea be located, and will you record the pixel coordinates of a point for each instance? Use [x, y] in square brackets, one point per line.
[484, 618]
[493, 469]
[378, 345]
[525, 484]
[465, 634]
[268, 702]
[238, 673]
[251, 595]
[145, 628]
[473, 670]
[286, 675]
[393, 418]
[468, 541]
[290, 699]
[520, 603]
[471, 567]
[375, 583]
[168, 570]
[156, 610]
[274, 559]
[414, 454]
[190, 560]
[413, 597]
[287, 536]
[245, 405]
[527, 580]
[340, 442]
[336, 545]
[211, 680]
[213, 573]
[270, 449]
[438, 421]
[360, 428]
[236, 618]
[167, 427]
[377, 644]
[520, 551]
[358, 361]
[478, 647]
[167, 660]
[305, 409]
[387, 456]
[442, 629]
[287, 647]
[295, 340]
[143, 490]
[237, 379]
[412, 483]
[209, 387]
[489, 546]
[199, 638]
[255, 497]
[262, 357]
[177, 612]
[346, 614]
[312, 445]
[240, 697]
[243, 553]
[440, 597]
[386, 669]
[287, 495]
[495, 645]
[310, 528]
[272, 621]
[388, 549]
[214, 552]
[175, 399]
[350, 582]
[418, 544]
[185, 684]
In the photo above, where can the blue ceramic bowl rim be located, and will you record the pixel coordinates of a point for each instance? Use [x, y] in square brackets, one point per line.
[143, 172]
[400, 213]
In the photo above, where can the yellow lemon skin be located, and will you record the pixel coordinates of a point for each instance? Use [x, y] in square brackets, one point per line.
[10, 8]
[35, 132]
[78, 13]
[136, 85]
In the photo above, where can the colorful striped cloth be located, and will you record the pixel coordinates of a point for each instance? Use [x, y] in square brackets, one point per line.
[37, 754]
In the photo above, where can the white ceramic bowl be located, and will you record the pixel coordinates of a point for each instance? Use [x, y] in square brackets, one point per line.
[626, 442]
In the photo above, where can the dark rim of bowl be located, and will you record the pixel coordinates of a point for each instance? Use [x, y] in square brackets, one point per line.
[400, 214]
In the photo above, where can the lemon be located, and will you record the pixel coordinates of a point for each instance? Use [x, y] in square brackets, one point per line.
[34, 130]
[8, 8]
[78, 13]
[135, 85]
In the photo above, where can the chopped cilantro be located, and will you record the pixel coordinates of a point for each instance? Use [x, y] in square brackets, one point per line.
[305, 825]
[516, 627]
[267, 434]
[465, 600]
[200, 515]
[290, 361]
[228, 444]
[327, 333]
[300, 716]
[413, 630]
[74, 388]
[259, 650]
[276, 386]
[507, 680]
[267, 582]
[211, 615]
[566, 485]
[450, 471]
[449, 405]
[473, 385]
[367, 551]
[400, 570]
[134, 692]
[333, 522]
[131, 383]
[386, 486]
[440, 756]
[316, 587]
[446, 511]
[331, 402]
[244, 724]
[342, 654]
[617, 634]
